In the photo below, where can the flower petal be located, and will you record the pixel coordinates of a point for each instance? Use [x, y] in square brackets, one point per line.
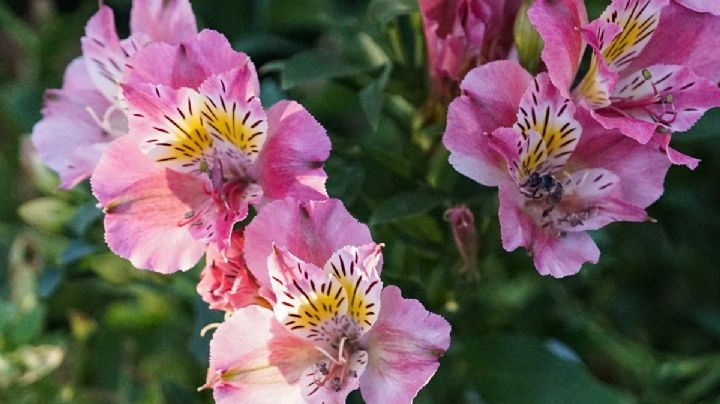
[641, 168]
[312, 231]
[403, 349]
[702, 6]
[254, 359]
[674, 44]
[105, 55]
[491, 94]
[563, 255]
[188, 64]
[317, 389]
[162, 20]
[291, 162]
[673, 96]
[550, 131]
[310, 301]
[225, 282]
[356, 268]
[559, 22]
[144, 209]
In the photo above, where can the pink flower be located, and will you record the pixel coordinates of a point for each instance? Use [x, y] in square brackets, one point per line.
[332, 329]
[225, 282]
[462, 34]
[559, 173]
[648, 75]
[310, 230]
[200, 150]
[80, 119]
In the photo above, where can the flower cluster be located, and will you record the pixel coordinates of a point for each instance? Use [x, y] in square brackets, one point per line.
[169, 126]
[571, 158]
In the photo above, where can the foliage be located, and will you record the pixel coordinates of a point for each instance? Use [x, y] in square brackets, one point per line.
[78, 324]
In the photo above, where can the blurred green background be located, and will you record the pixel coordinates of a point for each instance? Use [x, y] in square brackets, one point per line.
[79, 325]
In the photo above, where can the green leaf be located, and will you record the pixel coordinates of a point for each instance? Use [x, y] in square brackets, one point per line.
[46, 213]
[405, 205]
[84, 217]
[372, 96]
[384, 11]
[519, 369]
[315, 66]
[75, 251]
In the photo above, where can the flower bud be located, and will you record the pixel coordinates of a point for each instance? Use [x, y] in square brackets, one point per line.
[528, 42]
[462, 222]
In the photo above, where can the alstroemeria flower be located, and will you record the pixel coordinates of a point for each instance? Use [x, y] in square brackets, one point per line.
[310, 230]
[200, 150]
[559, 173]
[225, 282]
[332, 329]
[462, 34]
[635, 83]
[80, 119]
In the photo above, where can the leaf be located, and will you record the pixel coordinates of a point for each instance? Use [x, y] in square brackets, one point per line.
[404, 205]
[519, 369]
[84, 217]
[46, 213]
[49, 281]
[75, 251]
[315, 66]
[384, 11]
[372, 96]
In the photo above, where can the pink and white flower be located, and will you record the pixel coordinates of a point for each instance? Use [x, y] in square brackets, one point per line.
[332, 327]
[462, 34]
[310, 230]
[200, 150]
[648, 75]
[83, 117]
[559, 173]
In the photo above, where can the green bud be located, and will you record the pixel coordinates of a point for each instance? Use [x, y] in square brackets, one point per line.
[527, 40]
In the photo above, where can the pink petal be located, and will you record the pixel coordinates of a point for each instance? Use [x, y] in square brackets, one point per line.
[327, 394]
[516, 227]
[556, 255]
[104, 54]
[674, 156]
[162, 20]
[254, 359]
[188, 64]
[702, 6]
[291, 160]
[613, 118]
[559, 23]
[491, 95]
[674, 44]
[309, 300]
[596, 87]
[225, 282]
[312, 231]
[70, 147]
[144, 209]
[564, 255]
[550, 131]
[641, 168]
[403, 349]
[645, 99]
